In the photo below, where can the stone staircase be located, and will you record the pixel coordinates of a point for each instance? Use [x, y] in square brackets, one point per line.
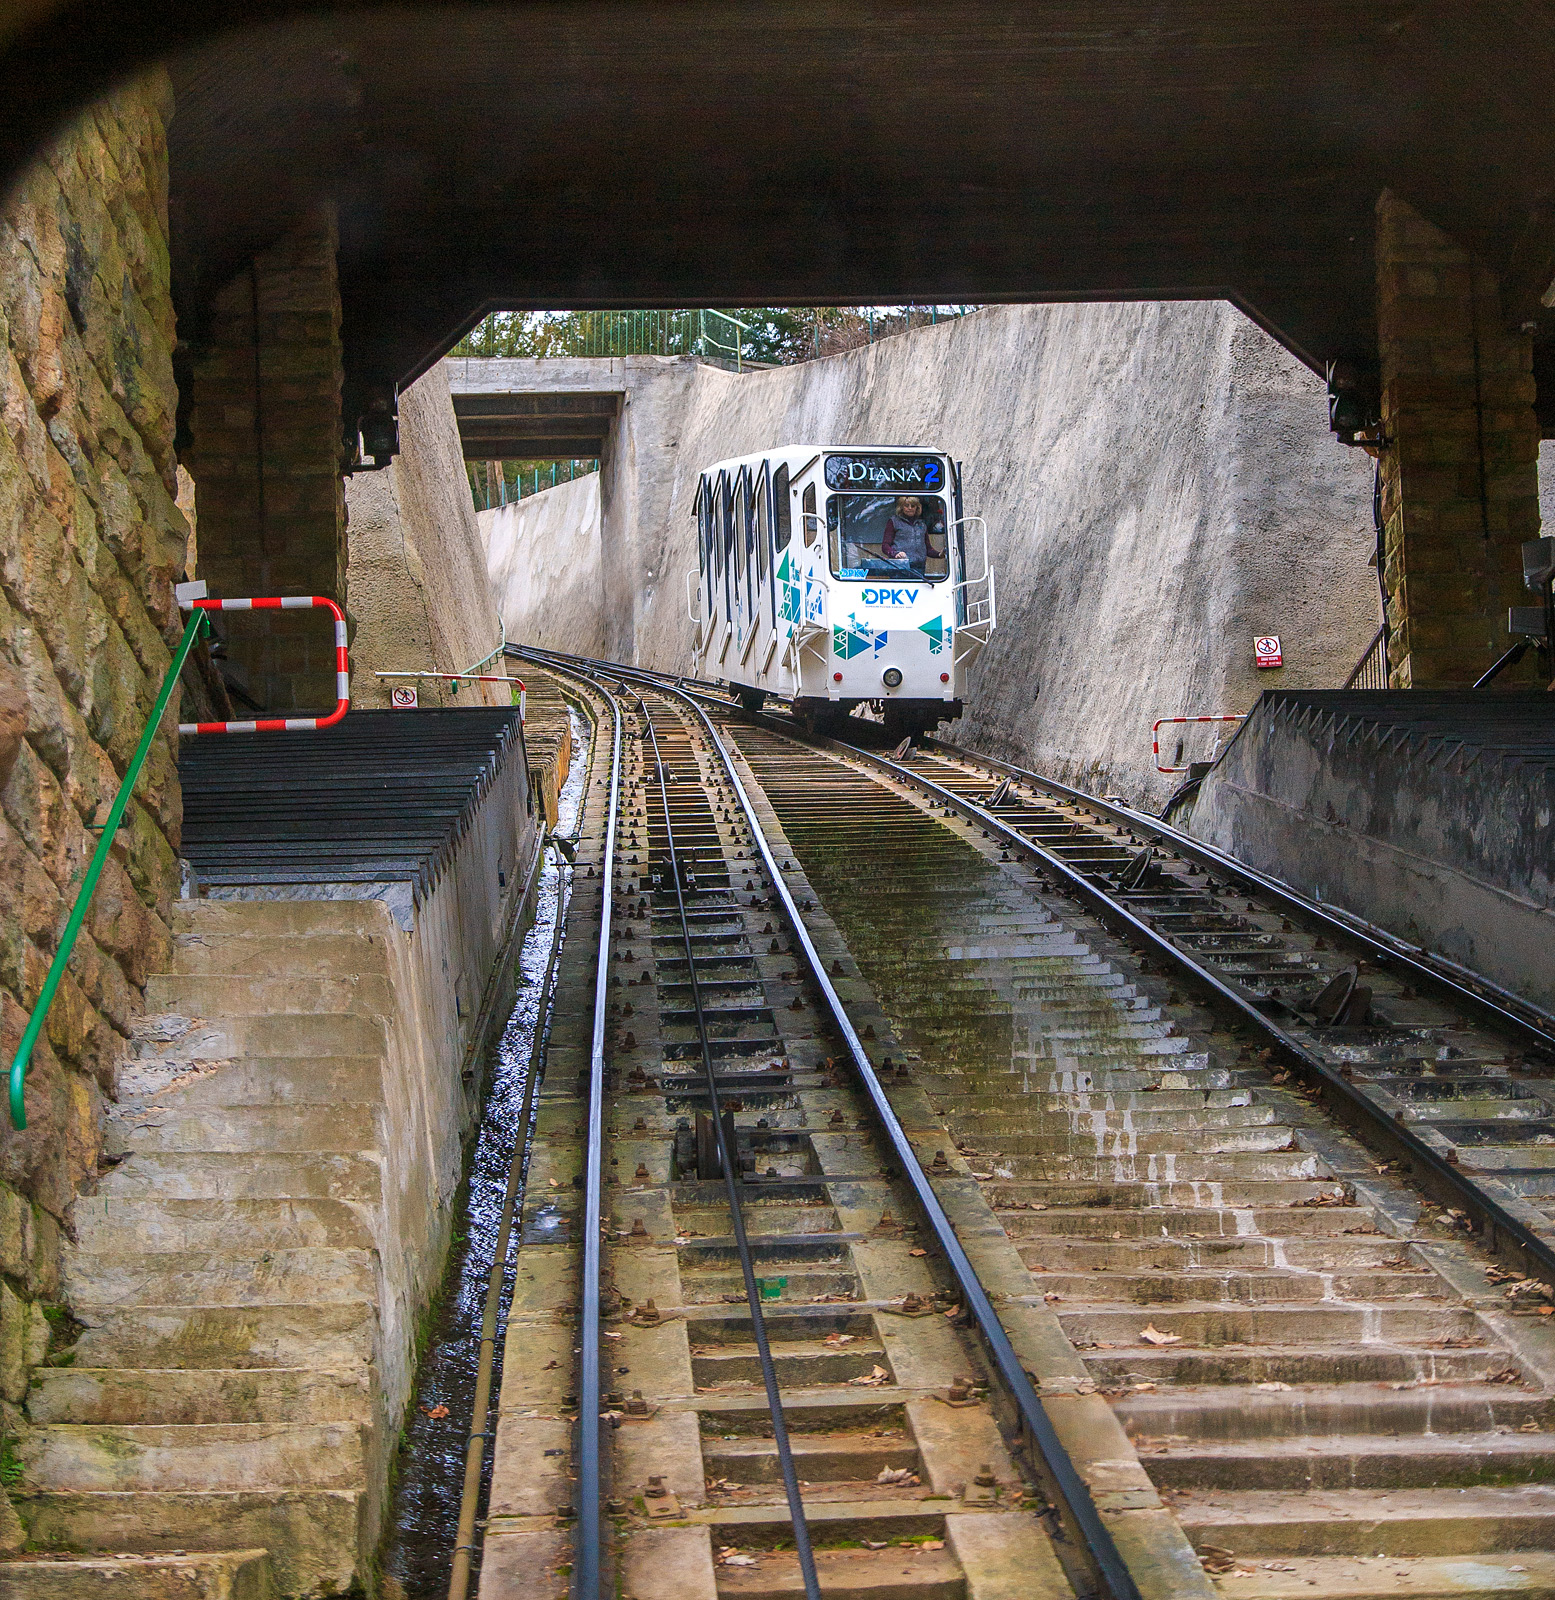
[221, 1432]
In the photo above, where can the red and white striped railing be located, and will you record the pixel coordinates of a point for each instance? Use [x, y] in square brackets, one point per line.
[1161, 722]
[288, 602]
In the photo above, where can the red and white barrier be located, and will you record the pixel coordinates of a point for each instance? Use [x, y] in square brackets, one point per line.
[1161, 722]
[289, 602]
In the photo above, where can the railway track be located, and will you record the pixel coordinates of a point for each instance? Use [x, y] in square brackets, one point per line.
[1248, 1357]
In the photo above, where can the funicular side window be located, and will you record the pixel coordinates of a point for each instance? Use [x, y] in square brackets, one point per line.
[739, 532]
[704, 518]
[726, 539]
[763, 525]
[782, 513]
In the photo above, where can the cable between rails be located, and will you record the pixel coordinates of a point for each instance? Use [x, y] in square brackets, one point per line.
[726, 1157]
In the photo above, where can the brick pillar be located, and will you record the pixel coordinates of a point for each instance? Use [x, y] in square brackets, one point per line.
[266, 463]
[1460, 487]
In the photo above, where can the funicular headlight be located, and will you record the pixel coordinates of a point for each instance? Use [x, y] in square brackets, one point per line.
[892, 677]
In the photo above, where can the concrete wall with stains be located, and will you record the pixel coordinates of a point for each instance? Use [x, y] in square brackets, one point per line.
[1159, 485]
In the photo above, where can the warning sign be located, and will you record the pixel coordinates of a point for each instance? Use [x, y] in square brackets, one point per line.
[402, 699]
[1266, 651]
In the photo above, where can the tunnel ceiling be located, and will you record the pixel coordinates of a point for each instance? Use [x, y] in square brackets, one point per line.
[672, 154]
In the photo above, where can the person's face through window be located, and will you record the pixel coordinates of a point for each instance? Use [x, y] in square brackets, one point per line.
[910, 508]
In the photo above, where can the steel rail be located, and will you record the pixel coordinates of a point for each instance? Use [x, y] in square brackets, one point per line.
[518, 1172]
[1071, 1490]
[1500, 1006]
[1506, 1010]
[586, 1564]
[726, 1157]
[1347, 1102]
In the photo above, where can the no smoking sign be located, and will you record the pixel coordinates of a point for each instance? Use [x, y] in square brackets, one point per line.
[1266, 651]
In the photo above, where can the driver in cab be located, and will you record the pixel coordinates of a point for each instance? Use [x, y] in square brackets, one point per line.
[905, 542]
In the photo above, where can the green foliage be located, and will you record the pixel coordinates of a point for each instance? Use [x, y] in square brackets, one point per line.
[10, 1465]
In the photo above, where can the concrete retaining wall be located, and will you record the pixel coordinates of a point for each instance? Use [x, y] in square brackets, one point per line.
[544, 559]
[1158, 480]
[416, 585]
[1421, 811]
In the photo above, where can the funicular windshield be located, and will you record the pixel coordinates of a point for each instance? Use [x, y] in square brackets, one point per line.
[884, 519]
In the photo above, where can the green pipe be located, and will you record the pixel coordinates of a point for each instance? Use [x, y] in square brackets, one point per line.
[198, 623]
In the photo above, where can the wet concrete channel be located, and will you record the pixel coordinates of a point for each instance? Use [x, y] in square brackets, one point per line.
[429, 1475]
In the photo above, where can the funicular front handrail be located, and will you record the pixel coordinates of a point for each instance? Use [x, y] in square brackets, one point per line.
[197, 625]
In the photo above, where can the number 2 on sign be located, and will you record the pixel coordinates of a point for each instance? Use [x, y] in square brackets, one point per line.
[1266, 651]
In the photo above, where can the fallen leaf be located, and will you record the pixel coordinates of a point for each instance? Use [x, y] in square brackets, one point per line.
[437, 1413]
[1153, 1335]
[896, 1475]
[932, 1544]
[871, 1380]
[873, 1544]
[1273, 1388]
[739, 1561]
[919, 1252]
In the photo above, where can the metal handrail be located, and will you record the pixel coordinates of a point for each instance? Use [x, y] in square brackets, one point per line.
[198, 624]
[1374, 656]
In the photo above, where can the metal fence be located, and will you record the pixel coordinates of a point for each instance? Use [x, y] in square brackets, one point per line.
[711, 336]
[1371, 671]
[488, 491]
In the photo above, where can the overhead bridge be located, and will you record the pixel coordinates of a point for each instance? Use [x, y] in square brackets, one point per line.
[505, 426]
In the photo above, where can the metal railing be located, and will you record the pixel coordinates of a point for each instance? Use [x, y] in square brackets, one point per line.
[545, 475]
[1371, 671]
[198, 624]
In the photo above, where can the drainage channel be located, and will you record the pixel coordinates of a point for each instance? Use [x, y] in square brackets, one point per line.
[418, 1551]
[922, 1470]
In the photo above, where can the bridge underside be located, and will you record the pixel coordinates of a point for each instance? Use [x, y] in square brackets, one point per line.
[657, 154]
[526, 427]
[1372, 186]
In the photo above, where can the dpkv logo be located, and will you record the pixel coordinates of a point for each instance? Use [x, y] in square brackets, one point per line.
[889, 597]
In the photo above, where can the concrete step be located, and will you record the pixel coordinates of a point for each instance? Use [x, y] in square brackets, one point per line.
[229, 994]
[336, 1337]
[194, 1457]
[1187, 1225]
[219, 1278]
[230, 921]
[184, 1395]
[231, 1036]
[315, 1536]
[273, 1080]
[1214, 1324]
[203, 1575]
[1296, 1364]
[1337, 1409]
[278, 955]
[1183, 1143]
[260, 1175]
[889, 1574]
[798, 1363]
[345, 1126]
[1249, 1253]
[1362, 1461]
[1159, 1202]
[1168, 1167]
[1362, 1522]
[818, 1458]
[114, 1224]
[1238, 1287]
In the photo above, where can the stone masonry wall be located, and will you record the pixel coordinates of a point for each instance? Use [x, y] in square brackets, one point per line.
[266, 464]
[91, 543]
[1460, 478]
